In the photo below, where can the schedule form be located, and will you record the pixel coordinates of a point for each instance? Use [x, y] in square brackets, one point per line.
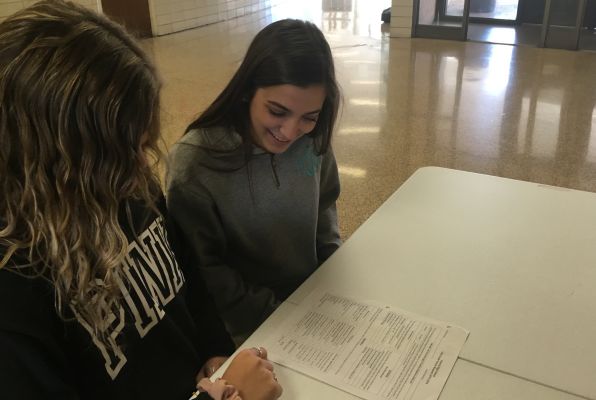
[371, 350]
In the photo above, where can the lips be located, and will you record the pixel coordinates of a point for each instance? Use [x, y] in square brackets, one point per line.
[277, 138]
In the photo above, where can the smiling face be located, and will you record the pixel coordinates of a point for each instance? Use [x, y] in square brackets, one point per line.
[281, 114]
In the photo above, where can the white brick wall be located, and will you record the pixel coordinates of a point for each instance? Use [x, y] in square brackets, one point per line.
[401, 18]
[8, 7]
[168, 16]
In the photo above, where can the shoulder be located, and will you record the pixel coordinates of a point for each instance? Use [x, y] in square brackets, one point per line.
[214, 138]
[203, 149]
[329, 157]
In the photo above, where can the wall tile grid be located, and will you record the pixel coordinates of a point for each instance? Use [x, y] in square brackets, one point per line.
[9, 7]
[168, 16]
[401, 18]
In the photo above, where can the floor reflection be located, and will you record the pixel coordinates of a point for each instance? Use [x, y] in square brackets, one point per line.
[518, 112]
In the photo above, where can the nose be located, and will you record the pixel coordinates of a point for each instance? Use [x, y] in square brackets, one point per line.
[292, 129]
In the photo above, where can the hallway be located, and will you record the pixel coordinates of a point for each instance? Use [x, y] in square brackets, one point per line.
[517, 112]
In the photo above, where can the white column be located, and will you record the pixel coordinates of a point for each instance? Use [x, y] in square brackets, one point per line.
[401, 18]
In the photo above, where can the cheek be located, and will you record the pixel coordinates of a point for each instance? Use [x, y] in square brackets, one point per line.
[256, 115]
[267, 120]
[308, 127]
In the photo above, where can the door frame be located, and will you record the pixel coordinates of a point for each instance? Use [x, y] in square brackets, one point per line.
[482, 20]
[438, 31]
[546, 24]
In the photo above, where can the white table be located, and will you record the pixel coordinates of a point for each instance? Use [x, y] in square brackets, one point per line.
[513, 262]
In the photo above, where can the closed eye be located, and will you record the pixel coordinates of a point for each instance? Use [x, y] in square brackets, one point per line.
[277, 113]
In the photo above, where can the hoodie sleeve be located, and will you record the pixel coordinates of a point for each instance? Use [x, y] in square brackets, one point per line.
[328, 239]
[32, 363]
[28, 372]
[242, 306]
[214, 340]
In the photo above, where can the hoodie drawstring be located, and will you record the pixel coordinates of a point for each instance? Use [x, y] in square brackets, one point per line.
[274, 169]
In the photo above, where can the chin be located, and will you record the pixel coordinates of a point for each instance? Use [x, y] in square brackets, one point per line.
[278, 150]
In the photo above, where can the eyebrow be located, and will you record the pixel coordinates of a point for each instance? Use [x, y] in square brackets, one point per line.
[276, 104]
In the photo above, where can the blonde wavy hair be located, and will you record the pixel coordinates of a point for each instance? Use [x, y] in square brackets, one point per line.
[79, 118]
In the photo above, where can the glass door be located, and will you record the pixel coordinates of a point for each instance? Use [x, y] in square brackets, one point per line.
[563, 20]
[495, 21]
[587, 39]
[503, 10]
[432, 21]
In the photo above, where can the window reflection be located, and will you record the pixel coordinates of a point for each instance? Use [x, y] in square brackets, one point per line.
[351, 171]
[351, 130]
[591, 156]
[544, 137]
[499, 69]
[525, 128]
[501, 35]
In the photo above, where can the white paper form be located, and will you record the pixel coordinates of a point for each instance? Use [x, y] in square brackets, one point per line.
[371, 350]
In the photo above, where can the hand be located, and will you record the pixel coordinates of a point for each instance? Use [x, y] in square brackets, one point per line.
[210, 367]
[252, 375]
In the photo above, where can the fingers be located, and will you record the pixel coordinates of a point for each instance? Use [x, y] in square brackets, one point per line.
[261, 352]
[277, 389]
[267, 364]
[211, 366]
[253, 375]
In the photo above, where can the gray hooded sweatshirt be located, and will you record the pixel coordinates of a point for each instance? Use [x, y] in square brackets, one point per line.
[256, 231]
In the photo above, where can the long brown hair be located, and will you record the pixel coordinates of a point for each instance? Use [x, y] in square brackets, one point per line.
[290, 52]
[79, 110]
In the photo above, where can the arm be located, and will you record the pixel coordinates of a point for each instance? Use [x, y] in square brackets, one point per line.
[243, 306]
[33, 364]
[213, 338]
[328, 239]
[27, 371]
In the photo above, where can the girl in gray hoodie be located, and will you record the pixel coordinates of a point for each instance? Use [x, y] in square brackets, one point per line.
[253, 182]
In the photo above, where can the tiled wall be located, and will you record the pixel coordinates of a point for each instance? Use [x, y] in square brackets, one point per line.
[401, 18]
[8, 7]
[169, 16]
